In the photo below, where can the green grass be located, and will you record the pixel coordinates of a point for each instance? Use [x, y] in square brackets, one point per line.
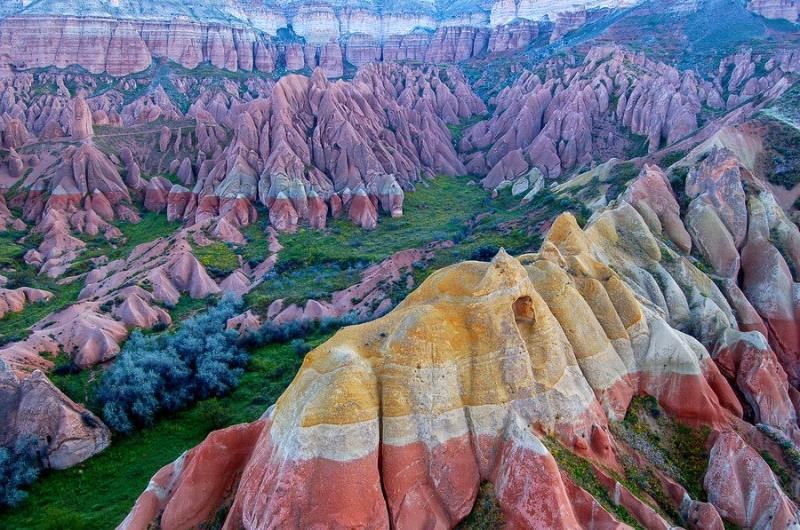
[314, 263]
[581, 472]
[14, 325]
[151, 227]
[672, 157]
[11, 251]
[486, 513]
[783, 475]
[682, 447]
[188, 306]
[618, 179]
[639, 146]
[218, 258]
[257, 248]
[99, 492]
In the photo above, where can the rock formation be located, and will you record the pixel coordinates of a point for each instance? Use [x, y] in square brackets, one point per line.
[478, 371]
[562, 122]
[15, 300]
[313, 140]
[785, 9]
[520, 367]
[237, 35]
[31, 407]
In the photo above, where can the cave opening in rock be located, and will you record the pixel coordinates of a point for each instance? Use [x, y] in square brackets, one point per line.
[523, 310]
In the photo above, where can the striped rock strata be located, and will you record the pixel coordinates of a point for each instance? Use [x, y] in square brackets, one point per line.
[396, 422]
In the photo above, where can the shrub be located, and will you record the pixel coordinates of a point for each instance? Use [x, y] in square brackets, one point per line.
[672, 157]
[164, 373]
[300, 347]
[19, 467]
[485, 253]
[270, 332]
[215, 414]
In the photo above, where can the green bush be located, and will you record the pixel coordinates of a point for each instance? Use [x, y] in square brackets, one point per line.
[19, 467]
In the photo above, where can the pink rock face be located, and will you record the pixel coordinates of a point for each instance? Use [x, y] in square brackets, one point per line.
[247, 321]
[311, 140]
[768, 284]
[718, 183]
[164, 138]
[317, 211]
[181, 489]
[14, 134]
[188, 275]
[651, 195]
[186, 173]
[712, 239]
[555, 120]
[30, 406]
[282, 215]
[295, 59]
[15, 164]
[156, 194]
[748, 360]
[330, 60]
[513, 36]
[785, 9]
[179, 202]
[361, 49]
[236, 283]
[362, 211]
[82, 126]
[567, 22]
[389, 193]
[15, 300]
[127, 52]
[225, 231]
[135, 312]
[742, 487]
[508, 168]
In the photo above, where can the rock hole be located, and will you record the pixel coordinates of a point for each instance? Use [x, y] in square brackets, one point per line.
[523, 309]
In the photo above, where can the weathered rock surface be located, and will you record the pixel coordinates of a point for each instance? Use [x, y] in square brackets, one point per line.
[15, 300]
[786, 9]
[31, 407]
[237, 35]
[741, 485]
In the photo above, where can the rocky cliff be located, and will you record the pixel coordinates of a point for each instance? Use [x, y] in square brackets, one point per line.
[785, 9]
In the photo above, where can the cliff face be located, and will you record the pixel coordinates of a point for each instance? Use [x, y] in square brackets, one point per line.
[316, 22]
[122, 47]
[785, 9]
[124, 37]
